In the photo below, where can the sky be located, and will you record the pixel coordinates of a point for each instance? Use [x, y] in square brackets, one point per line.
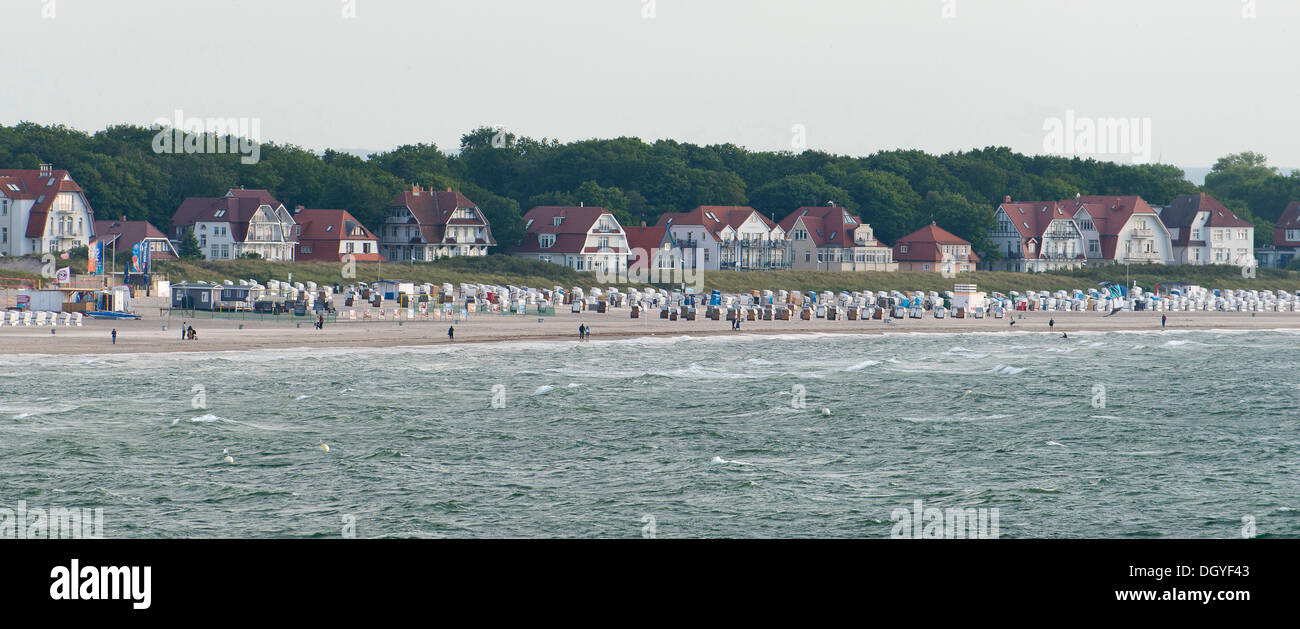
[1190, 80]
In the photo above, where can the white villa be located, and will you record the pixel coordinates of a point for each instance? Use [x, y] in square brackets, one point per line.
[1206, 232]
[728, 238]
[1046, 235]
[239, 223]
[42, 211]
[427, 225]
[581, 238]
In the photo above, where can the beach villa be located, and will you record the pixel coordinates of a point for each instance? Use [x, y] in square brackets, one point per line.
[42, 211]
[332, 234]
[1121, 230]
[240, 223]
[933, 248]
[1203, 231]
[829, 238]
[426, 225]
[1036, 236]
[1286, 239]
[651, 248]
[581, 238]
[728, 238]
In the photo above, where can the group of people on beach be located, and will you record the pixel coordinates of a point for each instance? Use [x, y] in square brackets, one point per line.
[187, 332]
[584, 332]
[735, 323]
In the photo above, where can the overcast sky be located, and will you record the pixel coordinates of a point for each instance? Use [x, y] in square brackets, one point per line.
[858, 75]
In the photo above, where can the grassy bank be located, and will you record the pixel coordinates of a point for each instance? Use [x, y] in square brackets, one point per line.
[502, 269]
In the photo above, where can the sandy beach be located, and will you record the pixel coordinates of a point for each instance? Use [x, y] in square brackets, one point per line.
[155, 333]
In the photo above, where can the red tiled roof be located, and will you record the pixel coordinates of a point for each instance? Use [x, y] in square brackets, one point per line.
[39, 186]
[238, 205]
[1109, 215]
[570, 234]
[1290, 219]
[435, 210]
[1182, 212]
[828, 225]
[714, 218]
[646, 238]
[129, 233]
[924, 245]
[323, 230]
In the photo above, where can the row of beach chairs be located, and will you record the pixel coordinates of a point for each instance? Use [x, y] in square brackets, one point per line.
[16, 318]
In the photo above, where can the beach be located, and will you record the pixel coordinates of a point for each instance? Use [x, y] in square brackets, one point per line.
[160, 333]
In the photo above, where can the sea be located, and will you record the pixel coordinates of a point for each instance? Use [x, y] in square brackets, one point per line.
[1179, 434]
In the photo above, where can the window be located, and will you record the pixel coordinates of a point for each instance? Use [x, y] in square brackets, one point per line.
[706, 255]
[350, 246]
[1196, 233]
[225, 251]
[306, 248]
[365, 247]
[557, 220]
[903, 249]
[216, 251]
[546, 240]
[925, 267]
[807, 256]
[4, 234]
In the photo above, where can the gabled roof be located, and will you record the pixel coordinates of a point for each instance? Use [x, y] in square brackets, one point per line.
[647, 238]
[827, 225]
[40, 186]
[320, 229]
[1290, 219]
[129, 233]
[237, 207]
[715, 218]
[570, 234]
[925, 245]
[435, 210]
[1182, 212]
[1032, 218]
[1110, 214]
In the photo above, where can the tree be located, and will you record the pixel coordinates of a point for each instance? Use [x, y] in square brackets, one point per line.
[964, 218]
[787, 194]
[189, 248]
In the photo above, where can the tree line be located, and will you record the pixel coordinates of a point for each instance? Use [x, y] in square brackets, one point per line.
[895, 191]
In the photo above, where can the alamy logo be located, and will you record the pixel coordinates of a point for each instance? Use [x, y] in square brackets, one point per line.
[1098, 137]
[101, 583]
[209, 135]
[923, 522]
[52, 523]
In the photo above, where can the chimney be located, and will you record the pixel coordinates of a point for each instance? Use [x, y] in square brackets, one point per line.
[123, 218]
[415, 189]
[448, 188]
[1006, 199]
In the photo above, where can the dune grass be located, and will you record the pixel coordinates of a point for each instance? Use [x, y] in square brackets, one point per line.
[505, 269]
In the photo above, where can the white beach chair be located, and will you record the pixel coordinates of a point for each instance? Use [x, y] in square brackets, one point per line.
[76, 318]
[66, 318]
[14, 315]
[40, 317]
[27, 317]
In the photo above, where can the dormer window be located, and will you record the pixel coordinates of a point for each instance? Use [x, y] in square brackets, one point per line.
[219, 214]
[546, 240]
[557, 220]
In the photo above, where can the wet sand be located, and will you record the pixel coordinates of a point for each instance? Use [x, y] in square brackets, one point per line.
[217, 334]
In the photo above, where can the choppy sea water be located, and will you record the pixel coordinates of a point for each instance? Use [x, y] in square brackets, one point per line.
[707, 436]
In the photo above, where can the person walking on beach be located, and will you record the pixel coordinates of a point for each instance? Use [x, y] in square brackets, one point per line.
[451, 334]
[184, 325]
[115, 336]
[1051, 323]
[1163, 319]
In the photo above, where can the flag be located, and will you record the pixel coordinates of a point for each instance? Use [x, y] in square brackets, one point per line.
[95, 258]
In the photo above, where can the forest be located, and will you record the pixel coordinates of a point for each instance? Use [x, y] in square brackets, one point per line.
[896, 191]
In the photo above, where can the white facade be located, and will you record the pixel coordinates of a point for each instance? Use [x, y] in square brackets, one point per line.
[68, 224]
[270, 233]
